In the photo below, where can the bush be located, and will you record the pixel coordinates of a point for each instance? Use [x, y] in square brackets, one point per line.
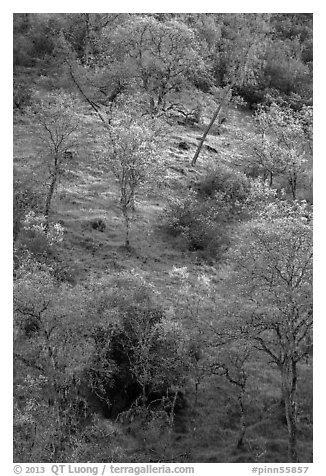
[98, 224]
[37, 241]
[199, 222]
[26, 198]
[22, 96]
[204, 216]
[252, 94]
[222, 180]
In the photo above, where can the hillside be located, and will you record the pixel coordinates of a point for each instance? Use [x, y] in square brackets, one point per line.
[170, 347]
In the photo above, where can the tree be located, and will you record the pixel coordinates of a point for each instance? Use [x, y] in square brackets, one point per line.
[272, 283]
[216, 346]
[51, 347]
[243, 50]
[282, 144]
[58, 125]
[35, 36]
[131, 150]
[160, 57]
[139, 361]
[232, 363]
[83, 31]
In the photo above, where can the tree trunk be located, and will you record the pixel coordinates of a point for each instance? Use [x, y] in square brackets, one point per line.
[127, 223]
[172, 413]
[293, 185]
[270, 179]
[93, 105]
[242, 421]
[152, 106]
[238, 77]
[196, 393]
[289, 387]
[49, 199]
[215, 115]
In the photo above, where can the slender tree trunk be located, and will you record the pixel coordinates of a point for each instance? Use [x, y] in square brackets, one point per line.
[270, 179]
[208, 128]
[49, 198]
[238, 77]
[289, 387]
[172, 414]
[93, 105]
[196, 393]
[242, 420]
[293, 185]
[127, 223]
[152, 106]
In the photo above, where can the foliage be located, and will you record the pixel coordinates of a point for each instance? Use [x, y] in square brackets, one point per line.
[34, 37]
[173, 358]
[232, 184]
[131, 150]
[57, 119]
[220, 198]
[139, 353]
[26, 198]
[273, 283]
[286, 68]
[22, 96]
[36, 238]
[48, 348]
[160, 57]
[58, 125]
[200, 223]
[281, 145]
[276, 272]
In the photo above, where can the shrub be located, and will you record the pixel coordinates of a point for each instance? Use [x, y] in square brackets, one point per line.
[22, 96]
[35, 240]
[200, 222]
[26, 198]
[232, 184]
[98, 224]
[252, 94]
[203, 217]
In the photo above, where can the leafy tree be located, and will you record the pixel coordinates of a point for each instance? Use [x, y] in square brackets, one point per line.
[243, 49]
[282, 144]
[83, 32]
[50, 351]
[272, 281]
[28, 30]
[131, 150]
[160, 57]
[206, 215]
[57, 124]
[286, 71]
[139, 349]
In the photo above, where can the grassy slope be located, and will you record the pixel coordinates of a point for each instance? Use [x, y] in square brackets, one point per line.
[208, 432]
